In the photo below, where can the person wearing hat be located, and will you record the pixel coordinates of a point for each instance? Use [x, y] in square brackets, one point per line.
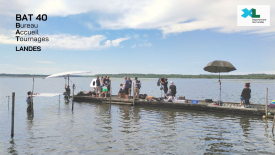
[137, 85]
[172, 90]
[246, 95]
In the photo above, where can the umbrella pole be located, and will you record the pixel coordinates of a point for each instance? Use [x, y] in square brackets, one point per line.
[68, 81]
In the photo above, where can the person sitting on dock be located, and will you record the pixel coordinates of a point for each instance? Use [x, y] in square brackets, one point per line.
[246, 95]
[137, 85]
[121, 90]
[172, 90]
[127, 84]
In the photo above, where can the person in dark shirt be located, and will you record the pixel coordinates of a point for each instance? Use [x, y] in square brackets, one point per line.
[28, 100]
[127, 84]
[164, 82]
[137, 86]
[130, 86]
[246, 95]
[172, 90]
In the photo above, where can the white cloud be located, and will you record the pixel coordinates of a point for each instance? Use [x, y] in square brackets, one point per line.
[116, 42]
[174, 16]
[64, 41]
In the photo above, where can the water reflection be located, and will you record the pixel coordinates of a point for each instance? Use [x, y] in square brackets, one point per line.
[97, 128]
[245, 125]
[11, 149]
[129, 118]
[266, 127]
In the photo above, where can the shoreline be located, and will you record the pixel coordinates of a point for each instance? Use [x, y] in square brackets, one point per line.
[201, 76]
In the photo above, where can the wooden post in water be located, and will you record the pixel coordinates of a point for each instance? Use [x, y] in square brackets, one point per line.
[110, 92]
[12, 115]
[266, 102]
[273, 123]
[73, 98]
[134, 95]
[72, 105]
[73, 92]
[32, 97]
[110, 97]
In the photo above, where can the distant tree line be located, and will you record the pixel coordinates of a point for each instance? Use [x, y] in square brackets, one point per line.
[204, 76]
[132, 75]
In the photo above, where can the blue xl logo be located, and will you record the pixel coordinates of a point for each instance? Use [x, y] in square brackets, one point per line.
[247, 12]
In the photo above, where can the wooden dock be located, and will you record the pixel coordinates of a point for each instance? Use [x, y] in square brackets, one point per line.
[227, 107]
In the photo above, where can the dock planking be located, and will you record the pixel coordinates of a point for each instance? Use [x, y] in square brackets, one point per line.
[228, 107]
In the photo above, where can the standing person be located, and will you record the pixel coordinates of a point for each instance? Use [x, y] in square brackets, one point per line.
[28, 100]
[101, 86]
[109, 85]
[172, 90]
[127, 84]
[246, 95]
[130, 86]
[98, 87]
[137, 85]
[164, 82]
[106, 86]
[67, 94]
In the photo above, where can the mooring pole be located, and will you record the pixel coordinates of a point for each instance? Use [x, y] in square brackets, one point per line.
[68, 80]
[273, 123]
[110, 92]
[73, 98]
[134, 94]
[72, 105]
[220, 87]
[266, 102]
[12, 115]
[32, 97]
[73, 92]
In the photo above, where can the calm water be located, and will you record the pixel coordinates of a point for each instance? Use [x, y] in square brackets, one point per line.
[95, 128]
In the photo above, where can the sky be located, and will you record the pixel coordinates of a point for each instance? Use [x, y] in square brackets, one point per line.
[130, 36]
